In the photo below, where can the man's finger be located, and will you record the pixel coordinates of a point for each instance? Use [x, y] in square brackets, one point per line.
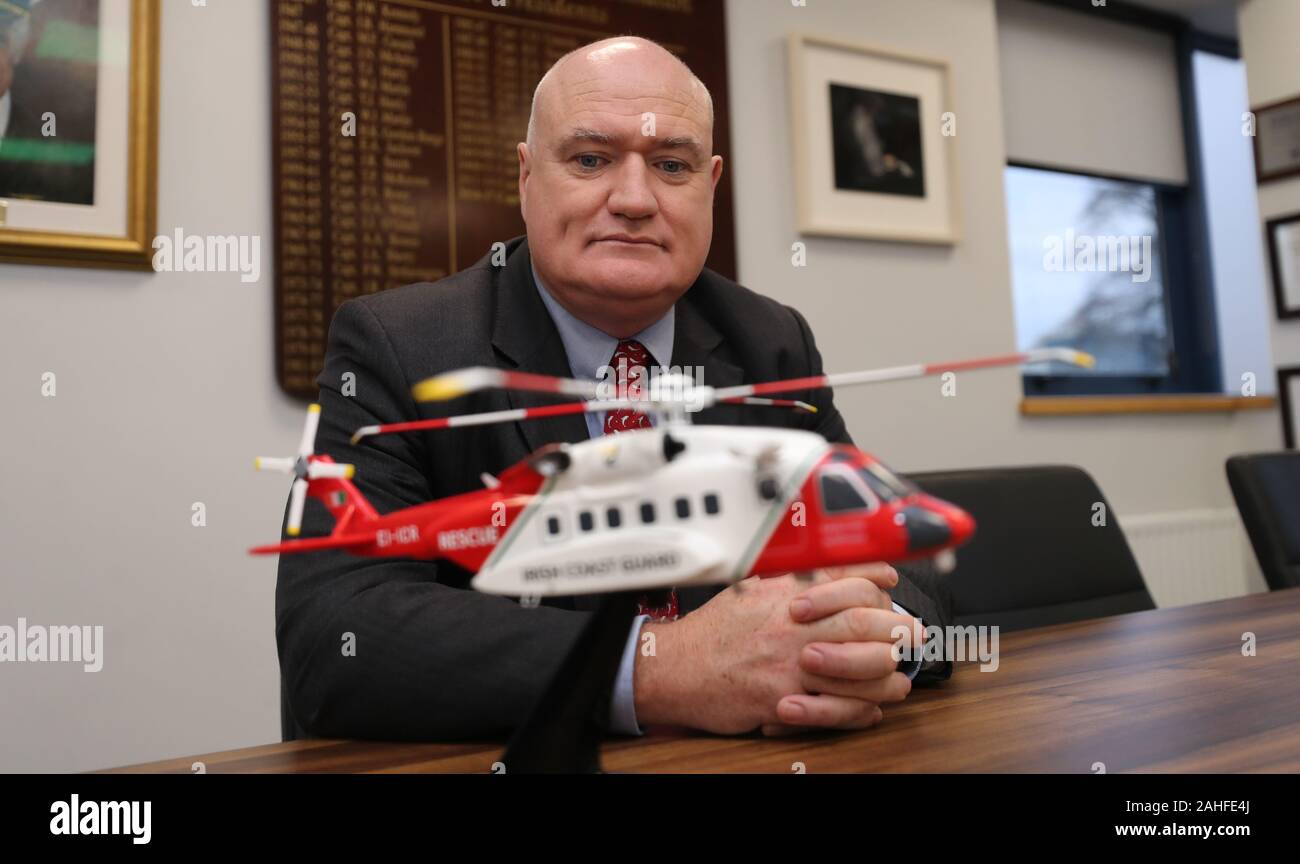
[862, 661]
[867, 625]
[827, 712]
[892, 688]
[883, 575]
[831, 597]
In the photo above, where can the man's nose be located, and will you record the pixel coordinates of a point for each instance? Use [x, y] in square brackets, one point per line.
[632, 197]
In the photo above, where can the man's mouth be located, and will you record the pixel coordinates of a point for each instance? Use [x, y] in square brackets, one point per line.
[628, 239]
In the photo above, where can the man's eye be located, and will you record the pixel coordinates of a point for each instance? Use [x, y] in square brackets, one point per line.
[589, 161]
[673, 166]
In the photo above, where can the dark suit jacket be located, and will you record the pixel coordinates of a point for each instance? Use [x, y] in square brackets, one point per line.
[435, 659]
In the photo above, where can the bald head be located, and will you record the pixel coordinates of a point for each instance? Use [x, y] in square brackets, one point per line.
[616, 182]
[632, 54]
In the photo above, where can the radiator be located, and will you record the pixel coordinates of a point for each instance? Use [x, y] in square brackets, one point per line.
[1192, 556]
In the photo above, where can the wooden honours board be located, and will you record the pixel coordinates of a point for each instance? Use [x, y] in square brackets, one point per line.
[428, 179]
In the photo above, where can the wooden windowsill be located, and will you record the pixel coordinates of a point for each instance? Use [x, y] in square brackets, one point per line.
[1164, 403]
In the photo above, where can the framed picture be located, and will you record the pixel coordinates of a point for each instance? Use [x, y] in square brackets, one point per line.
[78, 131]
[1288, 394]
[1284, 253]
[871, 156]
[1277, 139]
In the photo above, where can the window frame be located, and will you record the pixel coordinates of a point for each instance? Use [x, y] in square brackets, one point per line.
[1189, 281]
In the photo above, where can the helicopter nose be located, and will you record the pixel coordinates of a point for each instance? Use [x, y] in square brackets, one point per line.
[926, 528]
[962, 525]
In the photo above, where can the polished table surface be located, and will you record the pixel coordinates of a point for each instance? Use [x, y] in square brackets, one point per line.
[1165, 690]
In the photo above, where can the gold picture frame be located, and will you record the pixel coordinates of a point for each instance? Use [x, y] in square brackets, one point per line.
[131, 248]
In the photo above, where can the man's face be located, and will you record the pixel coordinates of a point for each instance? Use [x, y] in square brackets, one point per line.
[617, 190]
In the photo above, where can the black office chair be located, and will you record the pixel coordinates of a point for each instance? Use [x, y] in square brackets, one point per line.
[1267, 489]
[1037, 558]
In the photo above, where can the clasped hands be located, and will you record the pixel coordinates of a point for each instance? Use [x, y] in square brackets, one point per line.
[781, 654]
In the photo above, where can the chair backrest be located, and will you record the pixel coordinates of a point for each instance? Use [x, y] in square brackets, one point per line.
[1047, 548]
[1267, 489]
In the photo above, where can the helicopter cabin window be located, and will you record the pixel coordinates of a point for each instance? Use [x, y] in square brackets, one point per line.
[842, 490]
[879, 480]
[683, 507]
[711, 505]
[553, 526]
[585, 520]
[613, 517]
[647, 512]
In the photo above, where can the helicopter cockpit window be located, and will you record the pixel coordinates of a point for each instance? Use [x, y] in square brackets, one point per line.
[884, 482]
[842, 490]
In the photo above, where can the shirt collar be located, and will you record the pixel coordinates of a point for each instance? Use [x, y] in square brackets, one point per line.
[589, 348]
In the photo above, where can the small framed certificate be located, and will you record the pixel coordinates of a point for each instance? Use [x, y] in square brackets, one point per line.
[1284, 252]
[1277, 140]
[1288, 393]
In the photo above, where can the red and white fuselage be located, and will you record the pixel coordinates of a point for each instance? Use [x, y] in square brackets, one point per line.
[651, 508]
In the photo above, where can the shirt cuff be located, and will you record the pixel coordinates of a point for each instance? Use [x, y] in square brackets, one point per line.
[910, 668]
[622, 704]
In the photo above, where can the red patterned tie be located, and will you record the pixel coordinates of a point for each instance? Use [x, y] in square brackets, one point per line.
[631, 364]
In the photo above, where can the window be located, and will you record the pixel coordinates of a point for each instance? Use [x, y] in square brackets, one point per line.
[647, 512]
[1101, 265]
[885, 483]
[711, 503]
[1107, 197]
[840, 491]
[683, 508]
[613, 517]
[585, 520]
[553, 526]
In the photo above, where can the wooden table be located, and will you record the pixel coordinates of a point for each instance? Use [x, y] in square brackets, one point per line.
[1167, 690]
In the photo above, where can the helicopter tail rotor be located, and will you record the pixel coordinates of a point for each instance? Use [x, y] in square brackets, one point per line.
[305, 467]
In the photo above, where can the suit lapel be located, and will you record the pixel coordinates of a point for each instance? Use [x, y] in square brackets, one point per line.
[525, 335]
[695, 345]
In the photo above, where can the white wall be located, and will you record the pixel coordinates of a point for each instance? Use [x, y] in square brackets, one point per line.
[166, 390]
[165, 393]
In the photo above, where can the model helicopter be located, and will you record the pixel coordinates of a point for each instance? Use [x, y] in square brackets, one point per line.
[672, 505]
[668, 506]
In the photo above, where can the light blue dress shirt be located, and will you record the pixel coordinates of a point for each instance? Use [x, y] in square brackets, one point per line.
[588, 350]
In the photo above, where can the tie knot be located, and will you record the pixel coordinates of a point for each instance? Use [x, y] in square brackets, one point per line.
[632, 351]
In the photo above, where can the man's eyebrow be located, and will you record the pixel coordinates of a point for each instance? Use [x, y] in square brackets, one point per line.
[594, 136]
[683, 142]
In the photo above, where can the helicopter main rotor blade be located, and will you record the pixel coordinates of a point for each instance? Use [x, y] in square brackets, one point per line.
[449, 385]
[898, 373]
[509, 415]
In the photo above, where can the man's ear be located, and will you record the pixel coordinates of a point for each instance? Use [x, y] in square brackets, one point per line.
[715, 167]
[525, 169]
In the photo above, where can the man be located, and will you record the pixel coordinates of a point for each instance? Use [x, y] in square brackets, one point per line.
[616, 184]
